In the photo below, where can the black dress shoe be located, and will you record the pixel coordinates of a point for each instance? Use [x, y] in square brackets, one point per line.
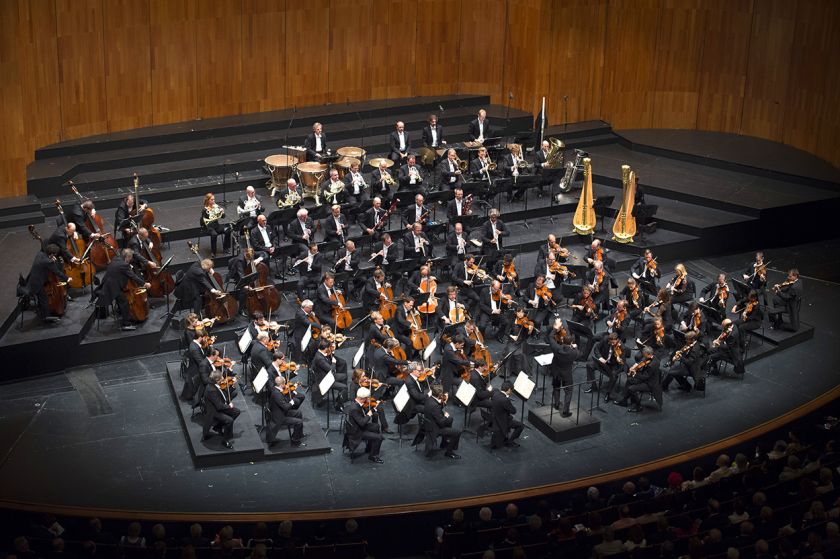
[566, 414]
[453, 455]
[376, 459]
[228, 444]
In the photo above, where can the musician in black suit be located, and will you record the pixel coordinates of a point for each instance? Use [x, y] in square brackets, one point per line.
[316, 143]
[466, 282]
[417, 212]
[382, 182]
[457, 244]
[456, 208]
[117, 275]
[646, 272]
[264, 238]
[727, 347]
[488, 236]
[450, 173]
[416, 244]
[309, 271]
[788, 295]
[494, 311]
[399, 142]
[325, 362]
[324, 304]
[355, 186]
[452, 362]
[284, 410]
[301, 231]
[609, 357]
[565, 353]
[335, 226]
[360, 426]
[600, 280]
[684, 362]
[250, 205]
[643, 376]
[44, 264]
[479, 128]
[506, 429]
[439, 424]
[220, 413]
[370, 220]
[433, 133]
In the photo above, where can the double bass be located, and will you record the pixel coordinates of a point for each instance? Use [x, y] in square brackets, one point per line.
[103, 249]
[263, 297]
[81, 273]
[54, 288]
[222, 307]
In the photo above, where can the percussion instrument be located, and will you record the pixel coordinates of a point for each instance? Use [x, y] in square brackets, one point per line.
[311, 175]
[281, 168]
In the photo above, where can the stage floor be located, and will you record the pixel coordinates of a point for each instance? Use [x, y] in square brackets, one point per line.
[108, 437]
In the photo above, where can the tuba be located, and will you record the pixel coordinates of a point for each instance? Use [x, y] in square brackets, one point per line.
[584, 220]
[624, 227]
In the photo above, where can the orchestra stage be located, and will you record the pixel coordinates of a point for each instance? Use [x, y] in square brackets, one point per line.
[87, 398]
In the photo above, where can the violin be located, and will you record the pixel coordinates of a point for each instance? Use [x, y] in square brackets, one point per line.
[557, 268]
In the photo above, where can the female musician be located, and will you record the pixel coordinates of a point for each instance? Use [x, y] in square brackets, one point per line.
[210, 222]
[678, 287]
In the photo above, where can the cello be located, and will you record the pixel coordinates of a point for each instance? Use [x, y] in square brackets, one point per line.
[222, 307]
[76, 272]
[264, 297]
[104, 248]
[55, 289]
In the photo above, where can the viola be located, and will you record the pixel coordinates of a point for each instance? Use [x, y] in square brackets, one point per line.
[428, 285]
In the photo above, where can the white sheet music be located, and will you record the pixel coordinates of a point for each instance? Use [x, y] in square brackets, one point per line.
[401, 399]
[326, 383]
[244, 341]
[307, 337]
[260, 380]
[523, 385]
[545, 359]
[465, 393]
[429, 350]
[359, 354]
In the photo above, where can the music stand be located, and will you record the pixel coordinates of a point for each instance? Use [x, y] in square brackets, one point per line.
[602, 203]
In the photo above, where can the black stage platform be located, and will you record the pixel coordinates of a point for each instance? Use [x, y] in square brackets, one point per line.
[108, 413]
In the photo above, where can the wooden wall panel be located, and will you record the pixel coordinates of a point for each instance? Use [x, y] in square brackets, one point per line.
[218, 57]
[723, 67]
[81, 62]
[482, 48]
[349, 55]
[768, 69]
[678, 53]
[437, 47]
[575, 56]
[128, 70]
[630, 63]
[173, 59]
[264, 62]
[525, 75]
[392, 54]
[307, 55]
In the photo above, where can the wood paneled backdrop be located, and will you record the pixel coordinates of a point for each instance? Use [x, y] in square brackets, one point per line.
[71, 68]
